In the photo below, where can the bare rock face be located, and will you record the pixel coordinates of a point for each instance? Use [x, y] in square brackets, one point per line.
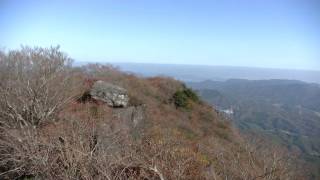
[127, 121]
[112, 95]
[131, 116]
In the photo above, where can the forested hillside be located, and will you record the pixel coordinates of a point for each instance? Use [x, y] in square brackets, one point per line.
[95, 122]
[286, 112]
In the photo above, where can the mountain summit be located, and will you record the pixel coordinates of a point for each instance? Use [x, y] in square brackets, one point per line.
[52, 128]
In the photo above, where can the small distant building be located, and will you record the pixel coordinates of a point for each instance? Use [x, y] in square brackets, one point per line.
[228, 111]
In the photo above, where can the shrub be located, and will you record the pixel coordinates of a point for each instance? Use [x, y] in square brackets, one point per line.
[90, 141]
[135, 101]
[191, 94]
[182, 98]
[35, 84]
[187, 132]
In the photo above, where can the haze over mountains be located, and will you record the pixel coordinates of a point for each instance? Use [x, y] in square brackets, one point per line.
[202, 72]
[186, 90]
[275, 107]
[95, 122]
[286, 112]
[282, 105]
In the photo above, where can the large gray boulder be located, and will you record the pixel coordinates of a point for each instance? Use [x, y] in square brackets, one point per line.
[111, 94]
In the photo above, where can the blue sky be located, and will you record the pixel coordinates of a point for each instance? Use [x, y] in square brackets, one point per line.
[259, 33]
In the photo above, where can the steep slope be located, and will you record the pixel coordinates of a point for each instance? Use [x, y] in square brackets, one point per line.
[285, 111]
[51, 127]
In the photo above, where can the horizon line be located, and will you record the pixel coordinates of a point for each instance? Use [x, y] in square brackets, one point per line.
[203, 65]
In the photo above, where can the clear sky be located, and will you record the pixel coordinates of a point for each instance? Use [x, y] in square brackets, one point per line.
[260, 33]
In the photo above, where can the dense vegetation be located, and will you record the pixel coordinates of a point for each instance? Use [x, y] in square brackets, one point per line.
[49, 128]
[183, 98]
[285, 111]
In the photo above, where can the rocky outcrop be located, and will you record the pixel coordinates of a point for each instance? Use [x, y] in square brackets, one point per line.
[112, 95]
[128, 121]
[132, 116]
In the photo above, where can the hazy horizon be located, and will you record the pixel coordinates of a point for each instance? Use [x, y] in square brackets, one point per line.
[187, 72]
[185, 64]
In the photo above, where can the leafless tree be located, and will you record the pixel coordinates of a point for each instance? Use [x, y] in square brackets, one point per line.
[36, 89]
[34, 85]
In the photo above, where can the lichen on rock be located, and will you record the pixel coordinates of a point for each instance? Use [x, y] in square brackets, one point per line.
[112, 95]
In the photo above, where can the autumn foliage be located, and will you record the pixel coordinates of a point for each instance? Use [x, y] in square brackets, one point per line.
[47, 133]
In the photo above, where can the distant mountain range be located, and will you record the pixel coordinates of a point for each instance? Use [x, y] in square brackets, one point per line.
[218, 73]
[285, 111]
[283, 105]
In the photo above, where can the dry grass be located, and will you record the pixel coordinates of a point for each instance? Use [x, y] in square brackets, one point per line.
[86, 141]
